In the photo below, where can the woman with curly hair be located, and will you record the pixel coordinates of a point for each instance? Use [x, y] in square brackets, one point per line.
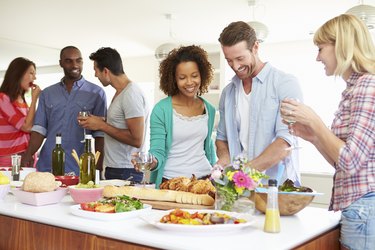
[181, 124]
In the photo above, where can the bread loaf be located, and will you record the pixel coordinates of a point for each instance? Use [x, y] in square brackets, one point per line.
[159, 195]
[192, 185]
[38, 182]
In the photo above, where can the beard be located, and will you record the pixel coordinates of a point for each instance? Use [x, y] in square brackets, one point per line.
[246, 71]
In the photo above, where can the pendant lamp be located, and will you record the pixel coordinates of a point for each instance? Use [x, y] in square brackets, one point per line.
[364, 12]
[162, 51]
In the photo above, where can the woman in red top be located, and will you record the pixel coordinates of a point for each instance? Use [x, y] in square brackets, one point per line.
[16, 117]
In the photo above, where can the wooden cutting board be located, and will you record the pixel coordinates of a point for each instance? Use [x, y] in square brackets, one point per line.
[165, 205]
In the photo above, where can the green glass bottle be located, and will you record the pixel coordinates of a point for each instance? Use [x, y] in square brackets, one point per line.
[87, 163]
[58, 158]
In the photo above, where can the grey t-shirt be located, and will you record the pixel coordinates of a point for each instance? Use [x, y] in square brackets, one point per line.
[130, 103]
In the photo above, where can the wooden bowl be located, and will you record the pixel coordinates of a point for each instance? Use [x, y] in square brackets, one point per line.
[289, 204]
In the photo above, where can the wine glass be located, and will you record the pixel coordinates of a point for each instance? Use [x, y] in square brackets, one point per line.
[83, 113]
[143, 162]
[291, 131]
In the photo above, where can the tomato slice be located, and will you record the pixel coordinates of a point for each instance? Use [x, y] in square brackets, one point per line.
[89, 206]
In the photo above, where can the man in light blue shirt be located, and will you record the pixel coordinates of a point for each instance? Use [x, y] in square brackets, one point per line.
[57, 112]
[250, 121]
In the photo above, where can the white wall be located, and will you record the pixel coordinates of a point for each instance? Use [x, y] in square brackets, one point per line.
[298, 58]
[320, 92]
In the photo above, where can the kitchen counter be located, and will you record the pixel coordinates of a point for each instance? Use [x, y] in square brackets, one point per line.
[304, 227]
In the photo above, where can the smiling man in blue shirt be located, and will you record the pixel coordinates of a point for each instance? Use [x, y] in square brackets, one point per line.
[250, 121]
[57, 112]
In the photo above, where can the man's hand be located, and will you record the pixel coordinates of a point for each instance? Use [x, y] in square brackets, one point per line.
[92, 122]
[27, 160]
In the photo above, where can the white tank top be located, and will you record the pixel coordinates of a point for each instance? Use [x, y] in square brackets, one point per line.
[187, 155]
[243, 117]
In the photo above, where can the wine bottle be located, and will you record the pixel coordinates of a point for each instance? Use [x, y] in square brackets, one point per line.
[87, 163]
[58, 158]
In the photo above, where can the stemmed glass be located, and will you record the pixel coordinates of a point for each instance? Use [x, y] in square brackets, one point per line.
[143, 162]
[291, 131]
[83, 113]
[288, 160]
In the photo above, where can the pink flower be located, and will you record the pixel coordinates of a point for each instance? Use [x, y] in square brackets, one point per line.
[243, 180]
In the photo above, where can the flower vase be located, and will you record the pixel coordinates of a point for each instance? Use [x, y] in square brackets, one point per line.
[227, 201]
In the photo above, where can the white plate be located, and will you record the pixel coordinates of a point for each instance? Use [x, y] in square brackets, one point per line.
[76, 210]
[114, 182]
[154, 219]
[264, 190]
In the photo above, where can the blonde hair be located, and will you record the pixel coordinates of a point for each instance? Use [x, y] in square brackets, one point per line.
[354, 47]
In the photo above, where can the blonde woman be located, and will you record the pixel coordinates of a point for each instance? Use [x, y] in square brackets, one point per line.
[346, 49]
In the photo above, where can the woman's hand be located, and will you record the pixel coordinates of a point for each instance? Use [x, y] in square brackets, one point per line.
[133, 161]
[35, 92]
[303, 117]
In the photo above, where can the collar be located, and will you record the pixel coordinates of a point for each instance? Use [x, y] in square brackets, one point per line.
[353, 79]
[261, 76]
[79, 83]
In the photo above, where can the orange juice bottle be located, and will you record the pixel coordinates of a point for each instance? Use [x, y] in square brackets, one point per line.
[272, 221]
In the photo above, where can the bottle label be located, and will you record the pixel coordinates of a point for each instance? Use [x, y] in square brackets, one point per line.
[58, 140]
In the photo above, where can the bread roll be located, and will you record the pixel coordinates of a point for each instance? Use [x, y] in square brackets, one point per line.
[38, 182]
[159, 195]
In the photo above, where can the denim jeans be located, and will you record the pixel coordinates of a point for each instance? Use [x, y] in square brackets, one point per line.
[123, 174]
[358, 224]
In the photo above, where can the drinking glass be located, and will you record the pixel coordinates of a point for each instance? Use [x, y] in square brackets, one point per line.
[291, 131]
[143, 161]
[83, 113]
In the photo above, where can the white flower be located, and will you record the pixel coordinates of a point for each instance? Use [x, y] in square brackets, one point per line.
[216, 172]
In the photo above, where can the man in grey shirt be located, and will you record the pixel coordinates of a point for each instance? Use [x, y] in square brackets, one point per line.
[127, 116]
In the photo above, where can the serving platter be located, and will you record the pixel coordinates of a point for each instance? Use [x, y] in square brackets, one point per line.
[114, 182]
[264, 190]
[154, 219]
[76, 210]
[166, 205]
[39, 199]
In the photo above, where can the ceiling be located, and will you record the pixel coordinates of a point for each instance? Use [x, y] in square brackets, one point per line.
[38, 29]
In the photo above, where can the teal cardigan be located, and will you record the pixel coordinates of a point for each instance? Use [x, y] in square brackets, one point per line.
[161, 126]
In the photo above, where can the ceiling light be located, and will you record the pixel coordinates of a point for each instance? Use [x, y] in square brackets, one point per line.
[163, 50]
[364, 12]
[261, 30]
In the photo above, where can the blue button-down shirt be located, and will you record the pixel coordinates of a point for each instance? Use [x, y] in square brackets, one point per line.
[269, 88]
[57, 113]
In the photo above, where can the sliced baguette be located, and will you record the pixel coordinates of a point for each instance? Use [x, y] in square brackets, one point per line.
[159, 195]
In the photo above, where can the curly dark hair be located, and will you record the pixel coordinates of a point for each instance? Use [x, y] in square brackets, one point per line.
[192, 53]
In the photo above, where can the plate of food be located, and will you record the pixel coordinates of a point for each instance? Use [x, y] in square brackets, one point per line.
[108, 209]
[202, 221]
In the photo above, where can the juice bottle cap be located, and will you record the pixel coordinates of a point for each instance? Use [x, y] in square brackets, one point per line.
[272, 183]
